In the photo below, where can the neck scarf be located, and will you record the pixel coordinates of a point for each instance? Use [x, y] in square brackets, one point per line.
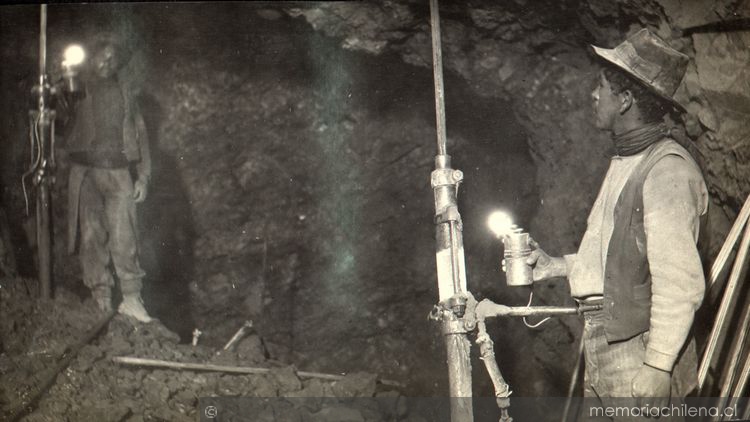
[637, 140]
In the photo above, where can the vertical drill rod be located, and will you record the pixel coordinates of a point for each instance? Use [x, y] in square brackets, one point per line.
[437, 75]
[449, 252]
[44, 243]
[43, 209]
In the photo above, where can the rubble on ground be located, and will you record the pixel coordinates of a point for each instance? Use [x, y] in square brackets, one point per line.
[93, 388]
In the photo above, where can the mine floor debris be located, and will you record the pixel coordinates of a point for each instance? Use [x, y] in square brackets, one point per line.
[91, 385]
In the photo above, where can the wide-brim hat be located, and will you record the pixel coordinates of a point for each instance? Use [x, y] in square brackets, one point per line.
[650, 60]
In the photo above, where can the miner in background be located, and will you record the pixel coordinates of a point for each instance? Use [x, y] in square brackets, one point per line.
[106, 138]
[639, 256]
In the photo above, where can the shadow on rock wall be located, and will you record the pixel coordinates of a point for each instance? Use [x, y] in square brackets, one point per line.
[167, 234]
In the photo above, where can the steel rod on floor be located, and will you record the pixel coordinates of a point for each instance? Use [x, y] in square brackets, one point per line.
[229, 369]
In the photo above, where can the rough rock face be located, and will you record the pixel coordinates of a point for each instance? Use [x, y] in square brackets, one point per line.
[291, 188]
[722, 105]
[539, 60]
[534, 53]
[293, 146]
[7, 254]
[309, 198]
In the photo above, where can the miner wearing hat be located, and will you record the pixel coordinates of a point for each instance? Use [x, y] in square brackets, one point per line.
[638, 256]
[106, 140]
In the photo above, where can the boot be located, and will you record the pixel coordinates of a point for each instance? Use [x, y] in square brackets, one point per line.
[103, 298]
[132, 305]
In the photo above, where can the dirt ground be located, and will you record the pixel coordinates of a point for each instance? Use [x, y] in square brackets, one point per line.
[94, 388]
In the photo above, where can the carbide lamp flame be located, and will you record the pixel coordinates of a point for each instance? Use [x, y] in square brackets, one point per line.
[517, 249]
[73, 56]
[500, 223]
[72, 60]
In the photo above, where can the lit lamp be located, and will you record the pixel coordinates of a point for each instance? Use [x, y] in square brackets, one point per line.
[73, 58]
[517, 249]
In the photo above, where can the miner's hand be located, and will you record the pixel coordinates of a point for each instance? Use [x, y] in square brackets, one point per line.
[545, 266]
[140, 190]
[651, 387]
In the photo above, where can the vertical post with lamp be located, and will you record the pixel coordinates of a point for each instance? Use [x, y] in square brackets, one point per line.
[42, 146]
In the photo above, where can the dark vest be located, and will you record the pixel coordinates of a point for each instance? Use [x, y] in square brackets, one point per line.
[103, 128]
[627, 277]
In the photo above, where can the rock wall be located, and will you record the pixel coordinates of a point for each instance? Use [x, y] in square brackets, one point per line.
[291, 185]
[293, 146]
[535, 54]
[309, 196]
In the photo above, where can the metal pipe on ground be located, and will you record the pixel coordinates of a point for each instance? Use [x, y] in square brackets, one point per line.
[243, 370]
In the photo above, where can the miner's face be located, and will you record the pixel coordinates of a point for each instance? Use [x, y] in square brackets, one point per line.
[106, 62]
[606, 103]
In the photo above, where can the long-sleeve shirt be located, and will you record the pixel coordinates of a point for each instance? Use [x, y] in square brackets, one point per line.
[674, 198]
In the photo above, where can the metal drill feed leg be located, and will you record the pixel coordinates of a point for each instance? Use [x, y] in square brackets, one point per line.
[487, 354]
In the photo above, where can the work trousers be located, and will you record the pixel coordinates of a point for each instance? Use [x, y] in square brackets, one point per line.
[107, 223]
[609, 372]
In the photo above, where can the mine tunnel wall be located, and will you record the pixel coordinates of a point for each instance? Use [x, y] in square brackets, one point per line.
[292, 189]
[292, 158]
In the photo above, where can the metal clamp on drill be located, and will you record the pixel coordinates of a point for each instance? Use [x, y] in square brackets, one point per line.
[444, 181]
[457, 314]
